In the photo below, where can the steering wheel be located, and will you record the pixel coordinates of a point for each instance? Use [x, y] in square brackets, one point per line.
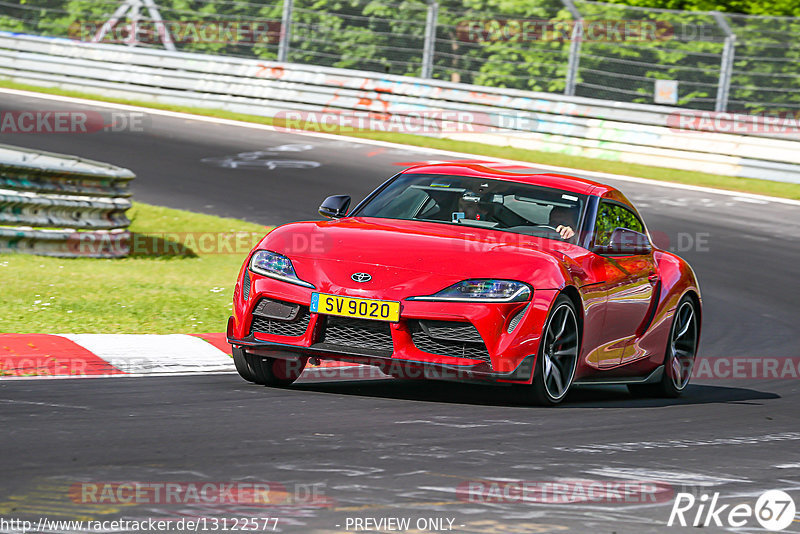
[550, 228]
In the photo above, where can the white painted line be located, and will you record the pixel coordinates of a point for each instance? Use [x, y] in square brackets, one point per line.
[750, 200]
[13, 401]
[254, 126]
[658, 475]
[678, 443]
[154, 353]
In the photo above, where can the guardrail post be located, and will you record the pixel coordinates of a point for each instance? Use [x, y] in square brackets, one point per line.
[726, 63]
[574, 48]
[430, 39]
[286, 30]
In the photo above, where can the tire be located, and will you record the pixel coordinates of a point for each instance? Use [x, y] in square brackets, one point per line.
[242, 365]
[679, 355]
[558, 355]
[275, 372]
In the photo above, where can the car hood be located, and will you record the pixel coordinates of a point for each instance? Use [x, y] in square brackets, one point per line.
[415, 256]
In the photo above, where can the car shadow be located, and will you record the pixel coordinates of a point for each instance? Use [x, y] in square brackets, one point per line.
[618, 396]
[493, 395]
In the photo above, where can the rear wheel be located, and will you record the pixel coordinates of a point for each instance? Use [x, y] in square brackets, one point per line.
[558, 354]
[680, 355]
[275, 371]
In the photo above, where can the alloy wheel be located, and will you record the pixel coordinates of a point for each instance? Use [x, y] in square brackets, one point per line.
[560, 351]
[683, 345]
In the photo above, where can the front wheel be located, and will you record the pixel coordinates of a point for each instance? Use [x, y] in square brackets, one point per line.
[558, 354]
[243, 367]
[680, 355]
[276, 372]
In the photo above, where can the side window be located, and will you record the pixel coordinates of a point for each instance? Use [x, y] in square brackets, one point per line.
[407, 202]
[611, 216]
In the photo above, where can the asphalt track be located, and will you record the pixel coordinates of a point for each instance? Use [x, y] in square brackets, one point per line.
[385, 448]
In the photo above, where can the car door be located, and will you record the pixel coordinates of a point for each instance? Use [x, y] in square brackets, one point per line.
[629, 284]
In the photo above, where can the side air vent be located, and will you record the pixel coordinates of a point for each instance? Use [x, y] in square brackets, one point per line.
[277, 309]
[516, 319]
[246, 285]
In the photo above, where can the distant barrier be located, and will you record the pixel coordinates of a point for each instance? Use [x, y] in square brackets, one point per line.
[725, 144]
[52, 205]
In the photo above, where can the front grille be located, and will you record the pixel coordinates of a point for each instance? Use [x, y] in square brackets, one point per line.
[280, 318]
[358, 334]
[451, 331]
[449, 338]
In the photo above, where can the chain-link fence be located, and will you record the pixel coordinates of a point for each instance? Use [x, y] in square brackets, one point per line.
[701, 60]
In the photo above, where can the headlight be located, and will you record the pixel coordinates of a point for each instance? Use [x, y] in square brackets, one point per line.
[482, 291]
[276, 266]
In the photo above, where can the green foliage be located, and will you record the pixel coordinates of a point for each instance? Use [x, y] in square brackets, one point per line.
[774, 8]
[500, 42]
[80, 19]
[611, 216]
[140, 294]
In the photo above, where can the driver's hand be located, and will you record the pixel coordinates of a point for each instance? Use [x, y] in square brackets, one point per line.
[565, 231]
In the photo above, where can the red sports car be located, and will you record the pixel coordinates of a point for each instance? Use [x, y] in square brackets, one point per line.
[463, 272]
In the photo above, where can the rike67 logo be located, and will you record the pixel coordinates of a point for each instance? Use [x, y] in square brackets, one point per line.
[774, 510]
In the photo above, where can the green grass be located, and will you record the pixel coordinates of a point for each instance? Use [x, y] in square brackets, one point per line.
[748, 185]
[145, 293]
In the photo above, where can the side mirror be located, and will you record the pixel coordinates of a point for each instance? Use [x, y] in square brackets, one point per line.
[335, 207]
[626, 242]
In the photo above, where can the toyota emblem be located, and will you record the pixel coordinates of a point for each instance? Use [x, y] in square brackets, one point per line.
[361, 277]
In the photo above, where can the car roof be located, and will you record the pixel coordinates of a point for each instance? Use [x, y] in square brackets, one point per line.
[565, 182]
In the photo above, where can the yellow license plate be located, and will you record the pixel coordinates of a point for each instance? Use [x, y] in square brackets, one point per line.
[378, 310]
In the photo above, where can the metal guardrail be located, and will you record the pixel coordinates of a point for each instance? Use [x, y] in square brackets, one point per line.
[634, 133]
[58, 205]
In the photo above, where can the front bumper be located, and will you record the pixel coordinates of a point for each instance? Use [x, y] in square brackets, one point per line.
[389, 365]
[510, 351]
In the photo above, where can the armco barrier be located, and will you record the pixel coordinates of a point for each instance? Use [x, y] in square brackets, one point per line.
[634, 133]
[53, 205]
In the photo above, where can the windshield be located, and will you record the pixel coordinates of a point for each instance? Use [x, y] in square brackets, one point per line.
[478, 202]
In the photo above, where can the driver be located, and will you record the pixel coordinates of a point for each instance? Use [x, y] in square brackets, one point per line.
[564, 220]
